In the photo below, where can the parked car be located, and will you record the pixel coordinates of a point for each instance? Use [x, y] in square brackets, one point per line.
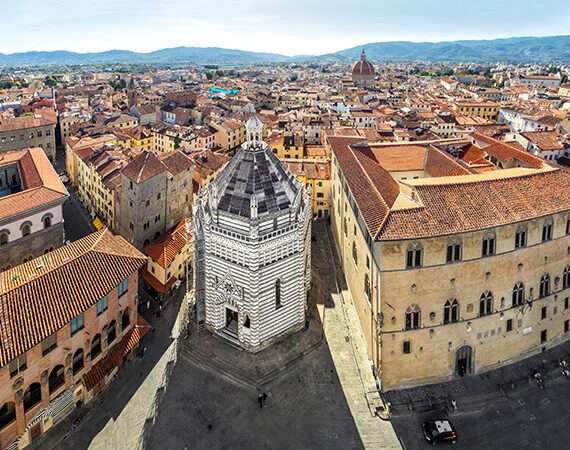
[439, 431]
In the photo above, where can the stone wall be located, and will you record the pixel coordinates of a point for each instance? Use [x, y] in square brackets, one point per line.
[35, 244]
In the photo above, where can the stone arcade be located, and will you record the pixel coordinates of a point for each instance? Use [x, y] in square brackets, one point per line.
[252, 247]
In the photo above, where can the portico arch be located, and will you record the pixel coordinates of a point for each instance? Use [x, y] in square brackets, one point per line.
[463, 360]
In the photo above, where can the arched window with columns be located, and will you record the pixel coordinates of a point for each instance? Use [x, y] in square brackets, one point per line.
[486, 303]
[544, 288]
[413, 318]
[518, 294]
[451, 311]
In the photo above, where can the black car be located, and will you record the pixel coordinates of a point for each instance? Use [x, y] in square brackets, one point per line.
[439, 431]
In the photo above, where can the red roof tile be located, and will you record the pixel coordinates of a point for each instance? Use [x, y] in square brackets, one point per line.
[41, 296]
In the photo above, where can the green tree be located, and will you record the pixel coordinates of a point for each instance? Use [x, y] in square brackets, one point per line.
[293, 78]
[50, 81]
[177, 142]
[564, 79]
[209, 75]
[7, 84]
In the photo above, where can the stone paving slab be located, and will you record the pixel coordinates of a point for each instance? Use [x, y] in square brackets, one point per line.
[471, 391]
[347, 344]
[253, 370]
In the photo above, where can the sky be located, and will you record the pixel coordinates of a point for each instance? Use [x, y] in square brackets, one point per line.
[289, 27]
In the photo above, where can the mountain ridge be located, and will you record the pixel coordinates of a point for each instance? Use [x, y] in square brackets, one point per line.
[514, 50]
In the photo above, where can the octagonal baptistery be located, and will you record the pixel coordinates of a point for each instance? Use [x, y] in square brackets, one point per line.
[252, 247]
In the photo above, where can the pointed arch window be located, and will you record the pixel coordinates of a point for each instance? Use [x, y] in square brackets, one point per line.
[486, 303]
[547, 229]
[451, 311]
[544, 289]
[566, 278]
[518, 294]
[520, 236]
[413, 317]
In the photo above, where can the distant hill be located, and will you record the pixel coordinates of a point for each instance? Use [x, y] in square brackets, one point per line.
[518, 49]
[514, 50]
[204, 55]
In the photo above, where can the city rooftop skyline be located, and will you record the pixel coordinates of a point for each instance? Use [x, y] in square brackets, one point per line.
[294, 28]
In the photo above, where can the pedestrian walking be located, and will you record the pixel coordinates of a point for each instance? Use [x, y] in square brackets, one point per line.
[260, 400]
[148, 304]
[454, 405]
[264, 396]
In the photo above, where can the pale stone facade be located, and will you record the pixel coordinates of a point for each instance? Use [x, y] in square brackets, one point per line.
[26, 132]
[462, 312]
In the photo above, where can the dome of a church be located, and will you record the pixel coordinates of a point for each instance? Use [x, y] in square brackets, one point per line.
[363, 72]
[363, 66]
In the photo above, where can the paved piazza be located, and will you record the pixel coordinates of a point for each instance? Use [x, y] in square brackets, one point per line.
[177, 395]
[526, 419]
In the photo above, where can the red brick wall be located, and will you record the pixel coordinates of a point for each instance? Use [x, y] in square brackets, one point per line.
[67, 345]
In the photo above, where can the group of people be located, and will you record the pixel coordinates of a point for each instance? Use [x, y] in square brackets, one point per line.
[158, 311]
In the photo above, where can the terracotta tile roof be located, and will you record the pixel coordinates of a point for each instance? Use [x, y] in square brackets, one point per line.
[21, 123]
[40, 183]
[451, 205]
[164, 249]
[114, 356]
[546, 140]
[317, 169]
[207, 162]
[373, 189]
[176, 162]
[76, 143]
[505, 151]
[144, 166]
[441, 164]
[396, 158]
[474, 157]
[41, 296]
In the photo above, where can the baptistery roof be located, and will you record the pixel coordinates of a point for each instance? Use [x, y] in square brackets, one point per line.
[255, 182]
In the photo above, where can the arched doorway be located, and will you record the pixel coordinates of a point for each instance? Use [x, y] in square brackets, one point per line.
[56, 378]
[464, 361]
[32, 396]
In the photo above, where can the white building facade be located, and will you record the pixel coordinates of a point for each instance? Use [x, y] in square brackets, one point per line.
[252, 247]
